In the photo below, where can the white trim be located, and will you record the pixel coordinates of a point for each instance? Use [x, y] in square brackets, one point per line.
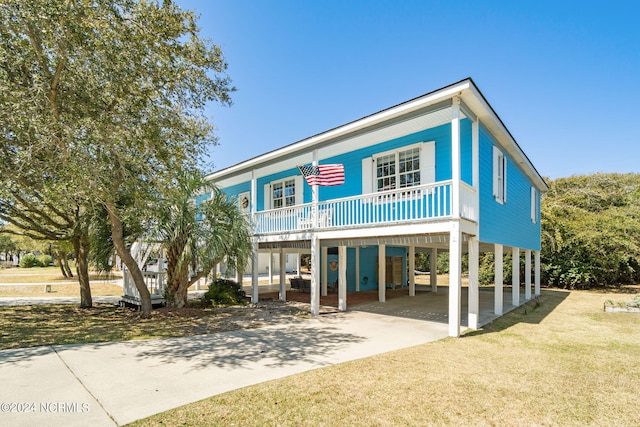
[367, 175]
[424, 172]
[298, 191]
[428, 162]
[267, 197]
[534, 205]
[499, 166]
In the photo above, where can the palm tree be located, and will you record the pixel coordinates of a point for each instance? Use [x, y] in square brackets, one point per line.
[196, 237]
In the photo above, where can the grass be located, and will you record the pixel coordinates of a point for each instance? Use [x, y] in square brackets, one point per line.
[29, 282]
[59, 290]
[564, 362]
[45, 275]
[37, 325]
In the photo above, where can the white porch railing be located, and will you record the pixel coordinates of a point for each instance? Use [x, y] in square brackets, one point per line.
[155, 282]
[413, 204]
[468, 202]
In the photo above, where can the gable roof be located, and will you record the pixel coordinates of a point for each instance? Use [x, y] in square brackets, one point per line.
[473, 104]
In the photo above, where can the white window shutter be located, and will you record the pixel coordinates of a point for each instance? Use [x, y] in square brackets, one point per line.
[428, 163]
[267, 197]
[504, 179]
[534, 205]
[367, 175]
[496, 171]
[299, 190]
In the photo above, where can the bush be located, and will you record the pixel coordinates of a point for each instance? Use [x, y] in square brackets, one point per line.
[224, 292]
[29, 260]
[45, 260]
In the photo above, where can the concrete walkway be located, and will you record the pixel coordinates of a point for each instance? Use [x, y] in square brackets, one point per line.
[116, 383]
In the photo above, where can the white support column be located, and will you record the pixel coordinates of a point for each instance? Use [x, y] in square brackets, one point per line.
[315, 275]
[412, 271]
[342, 278]
[515, 277]
[527, 274]
[270, 268]
[325, 270]
[499, 279]
[475, 154]
[315, 247]
[298, 263]
[455, 157]
[357, 268]
[455, 279]
[283, 275]
[433, 269]
[382, 273]
[536, 291]
[254, 272]
[474, 290]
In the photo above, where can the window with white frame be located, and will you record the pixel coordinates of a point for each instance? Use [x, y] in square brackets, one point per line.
[400, 169]
[499, 176]
[283, 193]
[408, 166]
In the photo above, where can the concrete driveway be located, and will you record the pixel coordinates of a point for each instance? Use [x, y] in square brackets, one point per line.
[116, 383]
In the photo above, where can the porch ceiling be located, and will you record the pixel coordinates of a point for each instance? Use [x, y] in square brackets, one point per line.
[421, 242]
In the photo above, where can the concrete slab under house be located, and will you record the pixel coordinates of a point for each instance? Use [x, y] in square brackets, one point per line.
[440, 172]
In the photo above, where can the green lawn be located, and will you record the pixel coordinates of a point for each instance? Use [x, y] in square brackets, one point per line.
[565, 362]
[45, 275]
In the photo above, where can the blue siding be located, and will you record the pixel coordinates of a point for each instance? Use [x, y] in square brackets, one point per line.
[202, 197]
[353, 164]
[510, 223]
[235, 190]
[369, 266]
[353, 160]
[466, 158]
[278, 176]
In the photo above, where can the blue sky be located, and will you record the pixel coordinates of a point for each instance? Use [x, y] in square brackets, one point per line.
[562, 75]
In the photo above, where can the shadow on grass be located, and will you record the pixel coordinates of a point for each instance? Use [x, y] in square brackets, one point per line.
[533, 311]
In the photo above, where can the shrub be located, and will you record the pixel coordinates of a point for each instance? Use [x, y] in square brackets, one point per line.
[45, 260]
[224, 292]
[29, 260]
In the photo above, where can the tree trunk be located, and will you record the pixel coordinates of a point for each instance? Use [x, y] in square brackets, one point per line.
[177, 285]
[60, 254]
[180, 297]
[124, 254]
[81, 247]
[65, 263]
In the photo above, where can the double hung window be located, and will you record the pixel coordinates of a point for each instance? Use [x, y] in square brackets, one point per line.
[283, 193]
[398, 170]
